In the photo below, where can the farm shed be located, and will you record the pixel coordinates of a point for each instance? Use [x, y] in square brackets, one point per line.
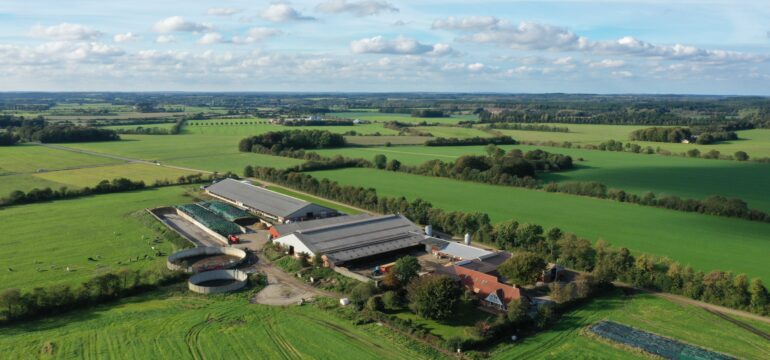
[268, 204]
[453, 250]
[481, 278]
[351, 238]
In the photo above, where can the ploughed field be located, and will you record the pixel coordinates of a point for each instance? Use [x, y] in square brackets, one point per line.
[705, 242]
[174, 325]
[40, 241]
[636, 173]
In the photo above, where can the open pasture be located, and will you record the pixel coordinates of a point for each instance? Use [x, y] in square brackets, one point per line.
[705, 242]
[183, 326]
[92, 175]
[754, 142]
[376, 116]
[637, 173]
[247, 127]
[28, 158]
[568, 338]
[40, 241]
[209, 152]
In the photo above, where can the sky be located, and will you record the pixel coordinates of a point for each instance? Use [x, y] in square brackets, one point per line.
[571, 46]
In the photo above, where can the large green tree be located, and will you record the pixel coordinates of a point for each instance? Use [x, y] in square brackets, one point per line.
[405, 269]
[523, 267]
[433, 297]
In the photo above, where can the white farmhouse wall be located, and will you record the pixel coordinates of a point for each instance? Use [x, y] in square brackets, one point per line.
[292, 240]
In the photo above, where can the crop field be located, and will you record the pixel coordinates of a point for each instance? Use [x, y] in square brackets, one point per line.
[452, 132]
[181, 326]
[39, 241]
[166, 126]
[569, 338]
[404, 118]
[637, 173]
[92, 175]
[705, 242]
[754, 142]
[210, 152]
[247, 127]
[31, 158]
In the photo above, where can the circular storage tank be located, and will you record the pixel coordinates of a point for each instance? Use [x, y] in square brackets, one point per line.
[217, 281]
[202, 259]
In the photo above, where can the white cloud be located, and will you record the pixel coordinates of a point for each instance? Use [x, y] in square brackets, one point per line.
[563, 60]
[607, 63]
[257, 34]
[165, 39]
[129, 36]
[399, 23]
[210, 38]
[468, 23]
[535, 36]
[358, 8]
[66, 32]
[622, 74]
[400, 45]
[223, 11]
[179, 24]
[475, 67]
[281, 12]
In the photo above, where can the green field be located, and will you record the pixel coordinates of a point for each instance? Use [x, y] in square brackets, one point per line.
[209, 152]
[166, 126]
[705, 242]
[344, 209]
[247, 127]
[39, 241]
[27, 158]
[569, 339]
[182, 326]
[754, 142]
[25, 182]
[452, 132]
[91, 176]
[637, 173]
[405, 118]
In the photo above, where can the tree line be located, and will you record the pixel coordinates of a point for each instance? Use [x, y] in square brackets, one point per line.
[604, 263]
[429, 113]
[528, 127]
[117, 185]
[319, 123]
[496, 140]
[277, 141]
[58, 299]
[680, 134]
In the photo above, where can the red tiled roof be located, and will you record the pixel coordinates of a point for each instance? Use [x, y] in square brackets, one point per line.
[485, 284]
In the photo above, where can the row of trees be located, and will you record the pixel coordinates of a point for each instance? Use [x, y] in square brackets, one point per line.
[16, 305]
[319, 123]
[496, 140]
[19, 197]
[528, 127]
[8, 139]
[71, 133]
[679, 134]
[429, 113]
[276, 141]
[605, 263]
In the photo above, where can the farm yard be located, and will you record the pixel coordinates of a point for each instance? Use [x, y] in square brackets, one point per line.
[690, 238]
[174, 325]
[89, 235]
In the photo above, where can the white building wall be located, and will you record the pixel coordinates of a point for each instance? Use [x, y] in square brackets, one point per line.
[292, 240]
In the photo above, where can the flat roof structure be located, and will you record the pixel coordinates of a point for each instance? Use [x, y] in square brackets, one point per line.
[350, 238]
[455, 250]
[279, 230]
[266, 202]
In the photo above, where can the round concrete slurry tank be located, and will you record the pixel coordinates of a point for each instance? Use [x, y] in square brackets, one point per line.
[176, 260]
[231, 280]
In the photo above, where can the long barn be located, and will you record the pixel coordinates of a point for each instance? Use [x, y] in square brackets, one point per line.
[268, 204]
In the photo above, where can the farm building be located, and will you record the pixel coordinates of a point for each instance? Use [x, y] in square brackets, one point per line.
[350, 238]
[453, 251]
[268, 204]
[481, 277]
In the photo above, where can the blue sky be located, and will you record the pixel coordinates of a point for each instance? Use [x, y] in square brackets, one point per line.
[653, 46]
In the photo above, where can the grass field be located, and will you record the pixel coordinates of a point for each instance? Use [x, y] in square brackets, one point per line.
[754, 142]
[247, 127]
[671, 175]
[452, 132]
[25, 182]
[568, 339]
[344, 209]
[705, 242]
[209, 152]
[460, 324]
[166, 126]
[39, 241]
[181, 326]
[27, 158]
[405, 118]
[92, 175]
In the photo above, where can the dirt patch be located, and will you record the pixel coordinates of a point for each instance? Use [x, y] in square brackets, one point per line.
[281, 295]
